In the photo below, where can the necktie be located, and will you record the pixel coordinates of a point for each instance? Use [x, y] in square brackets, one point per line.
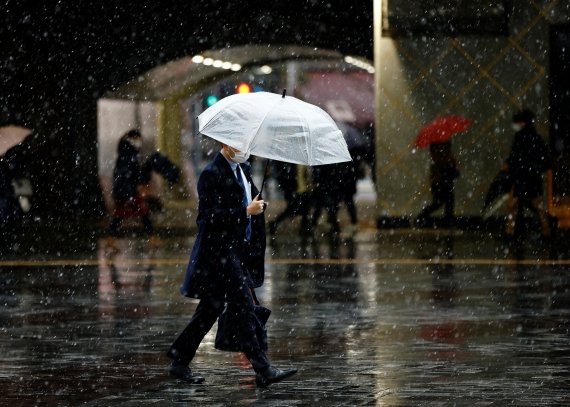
[245, 203]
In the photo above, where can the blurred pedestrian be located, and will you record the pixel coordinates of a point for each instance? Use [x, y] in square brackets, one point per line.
[369, 155]
[10, 209]
[129, 182]
[336, 184]
[349, 180]
[443, 172]
[11, 212]
[226, 264]
[293, 179]
[328, 193]
[350, 172]
[528, 160]
[160, 164]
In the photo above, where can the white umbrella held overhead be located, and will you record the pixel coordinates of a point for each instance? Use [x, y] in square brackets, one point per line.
[275, 127]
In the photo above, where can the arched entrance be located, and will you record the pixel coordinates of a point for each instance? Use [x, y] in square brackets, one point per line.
[164, 102]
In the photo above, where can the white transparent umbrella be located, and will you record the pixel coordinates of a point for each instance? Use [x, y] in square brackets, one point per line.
[276, 127]
[11, 136]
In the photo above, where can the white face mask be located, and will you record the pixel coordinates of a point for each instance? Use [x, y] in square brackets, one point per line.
[239, 156]
[517, 127]
[136, 143]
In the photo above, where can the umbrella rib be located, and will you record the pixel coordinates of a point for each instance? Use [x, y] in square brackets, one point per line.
[307, 141]
[289, 127]
[260, 123]
[217, 115]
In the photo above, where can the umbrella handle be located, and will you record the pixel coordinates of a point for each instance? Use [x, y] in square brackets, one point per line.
[267, 163]
[264, 177]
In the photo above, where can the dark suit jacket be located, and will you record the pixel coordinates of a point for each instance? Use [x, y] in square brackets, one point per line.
[220, 257]
[528, 159]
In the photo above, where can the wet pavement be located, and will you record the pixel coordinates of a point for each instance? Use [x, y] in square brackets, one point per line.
[393, 318]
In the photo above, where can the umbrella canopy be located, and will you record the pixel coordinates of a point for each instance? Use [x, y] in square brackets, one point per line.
[441, 130]
[276, 127]
[11, 136]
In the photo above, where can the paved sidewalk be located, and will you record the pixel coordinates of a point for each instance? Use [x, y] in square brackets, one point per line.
[402, 318]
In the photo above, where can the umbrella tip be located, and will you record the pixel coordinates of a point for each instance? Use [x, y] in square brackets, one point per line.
[284, 91]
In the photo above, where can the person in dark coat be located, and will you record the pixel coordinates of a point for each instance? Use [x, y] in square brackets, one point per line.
[328, 193]
[335, 184]
[443, 172]
[10, 209]
[528, 160]
[226, 265]
[128, 178]
[293, 181]
[160, 164]
[339, 181]
[349, 180]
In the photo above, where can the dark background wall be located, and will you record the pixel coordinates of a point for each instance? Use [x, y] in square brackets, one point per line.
[58, 58]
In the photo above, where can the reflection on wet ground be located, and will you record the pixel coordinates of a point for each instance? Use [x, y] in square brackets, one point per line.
[392, 319]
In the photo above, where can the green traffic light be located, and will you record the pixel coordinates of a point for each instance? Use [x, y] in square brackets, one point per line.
[211, 100]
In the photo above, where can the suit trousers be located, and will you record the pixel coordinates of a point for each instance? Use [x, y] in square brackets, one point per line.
[442, 196]
[207, 312]
[515, 206]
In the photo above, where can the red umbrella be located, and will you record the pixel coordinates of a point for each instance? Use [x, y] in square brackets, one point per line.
[441, 129]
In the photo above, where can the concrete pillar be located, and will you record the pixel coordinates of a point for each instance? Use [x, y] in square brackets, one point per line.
[377, 10]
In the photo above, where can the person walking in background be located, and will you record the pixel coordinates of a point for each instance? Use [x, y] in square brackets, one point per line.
[10, 210]
[328, 193]
[349, 181]
[369, 155]
[443, 172]
[128, 181]
[227, 263]
[349, 172]
[528, 160]
[335, 184]
[293, 179]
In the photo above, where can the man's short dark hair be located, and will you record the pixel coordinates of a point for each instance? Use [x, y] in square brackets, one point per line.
[524, 116]
[134, 133]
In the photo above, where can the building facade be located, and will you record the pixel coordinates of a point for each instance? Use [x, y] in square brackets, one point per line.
[484, 69]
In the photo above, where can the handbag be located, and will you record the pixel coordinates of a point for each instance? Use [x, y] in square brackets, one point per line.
[230, 336]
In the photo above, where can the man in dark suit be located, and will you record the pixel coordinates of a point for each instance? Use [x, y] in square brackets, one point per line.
[528, 160]
[227, 263]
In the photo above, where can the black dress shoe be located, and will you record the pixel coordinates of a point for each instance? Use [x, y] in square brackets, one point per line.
[272, 375]
[184, 373]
